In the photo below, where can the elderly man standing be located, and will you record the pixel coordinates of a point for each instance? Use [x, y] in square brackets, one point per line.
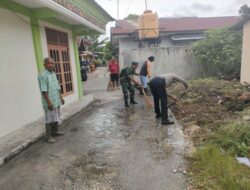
[51, 99]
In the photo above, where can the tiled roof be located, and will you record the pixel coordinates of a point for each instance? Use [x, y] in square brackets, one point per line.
[180, 24]
[124, 27]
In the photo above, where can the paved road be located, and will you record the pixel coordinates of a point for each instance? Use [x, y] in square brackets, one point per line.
[106, 147]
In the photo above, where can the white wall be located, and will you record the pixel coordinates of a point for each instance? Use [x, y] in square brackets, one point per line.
[20, 97]
[245, 63]
[72, 97]
[124, 45]
[167, 60]
[166, 42]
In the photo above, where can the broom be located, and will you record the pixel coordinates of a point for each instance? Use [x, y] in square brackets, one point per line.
[149, 104]
[110, 86]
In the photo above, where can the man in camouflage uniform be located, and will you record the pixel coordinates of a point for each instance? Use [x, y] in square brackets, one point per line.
[126, 76]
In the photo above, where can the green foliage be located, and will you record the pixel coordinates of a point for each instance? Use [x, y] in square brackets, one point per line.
[97, 45]
[234, 138]
[217, 171]
[109, 51]
[220, 52]
[104, 46]
[97, 63]
[245, 11]
[132, 17]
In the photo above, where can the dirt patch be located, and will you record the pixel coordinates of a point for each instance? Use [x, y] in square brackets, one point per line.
[207, 106]
[210, 102]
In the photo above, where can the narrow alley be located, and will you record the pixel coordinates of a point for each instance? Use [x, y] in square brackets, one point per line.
[105, 147]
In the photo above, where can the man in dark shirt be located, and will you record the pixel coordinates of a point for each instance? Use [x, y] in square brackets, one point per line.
[145, 73]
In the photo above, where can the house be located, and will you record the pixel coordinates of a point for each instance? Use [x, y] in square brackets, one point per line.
[30, 31]
[163, 32]
[245, 60]
[85, 56]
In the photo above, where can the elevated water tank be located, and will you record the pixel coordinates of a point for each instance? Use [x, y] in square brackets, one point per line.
[148, 25]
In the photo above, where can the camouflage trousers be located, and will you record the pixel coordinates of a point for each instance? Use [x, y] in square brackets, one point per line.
[127, 88]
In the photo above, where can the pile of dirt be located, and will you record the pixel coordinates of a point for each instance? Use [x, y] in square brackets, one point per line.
[208, 108]
[210, 102]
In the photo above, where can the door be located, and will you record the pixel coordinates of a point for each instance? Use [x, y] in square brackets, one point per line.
[59, 52]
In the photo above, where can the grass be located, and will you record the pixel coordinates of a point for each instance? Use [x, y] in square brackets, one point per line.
[223, 134]
[216, 171]
[234, 139]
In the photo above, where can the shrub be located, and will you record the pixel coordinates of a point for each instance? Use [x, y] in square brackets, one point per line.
[220, 52]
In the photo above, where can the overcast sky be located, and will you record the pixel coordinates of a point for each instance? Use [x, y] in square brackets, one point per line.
[173, 8]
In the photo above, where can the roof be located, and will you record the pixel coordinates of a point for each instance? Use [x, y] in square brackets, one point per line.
[180, 24]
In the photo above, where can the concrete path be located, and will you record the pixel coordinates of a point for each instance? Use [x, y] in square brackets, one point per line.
[13, 143]
[107, 147]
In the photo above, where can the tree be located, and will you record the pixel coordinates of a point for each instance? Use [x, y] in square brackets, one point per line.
[104, 47]
[220, 52]
[245, 12]
[132, 17]
[96, 44]
[109, 50]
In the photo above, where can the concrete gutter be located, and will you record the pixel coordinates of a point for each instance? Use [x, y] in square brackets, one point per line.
[12, 144]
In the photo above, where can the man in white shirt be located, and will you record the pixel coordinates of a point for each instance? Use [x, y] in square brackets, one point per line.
[158, 87]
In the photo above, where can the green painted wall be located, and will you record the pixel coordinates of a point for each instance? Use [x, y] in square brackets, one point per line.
[79, 79]
[94, 10]
[37, 43]
[48, 15]
[15, 7]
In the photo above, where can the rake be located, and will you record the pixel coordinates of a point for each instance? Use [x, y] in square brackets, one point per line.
[110, 86]
[176, 100]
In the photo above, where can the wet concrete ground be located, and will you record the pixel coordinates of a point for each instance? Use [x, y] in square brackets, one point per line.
[106, 147]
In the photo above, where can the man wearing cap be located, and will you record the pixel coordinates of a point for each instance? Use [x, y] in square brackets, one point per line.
[126, 76]
[51, 99]
[145, 73]
[158, 87]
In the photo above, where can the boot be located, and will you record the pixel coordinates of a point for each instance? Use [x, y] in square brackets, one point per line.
[50, 139]
[158, 115]
[54, 130]
[167, 122]
[132, 101]
[126, 104]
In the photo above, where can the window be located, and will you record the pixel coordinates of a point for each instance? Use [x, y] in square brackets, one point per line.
[59, 51]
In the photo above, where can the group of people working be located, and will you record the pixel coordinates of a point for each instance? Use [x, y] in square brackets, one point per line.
[52, 98]
[157, 86]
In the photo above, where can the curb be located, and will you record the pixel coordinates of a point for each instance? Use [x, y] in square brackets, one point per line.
[14, 152]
